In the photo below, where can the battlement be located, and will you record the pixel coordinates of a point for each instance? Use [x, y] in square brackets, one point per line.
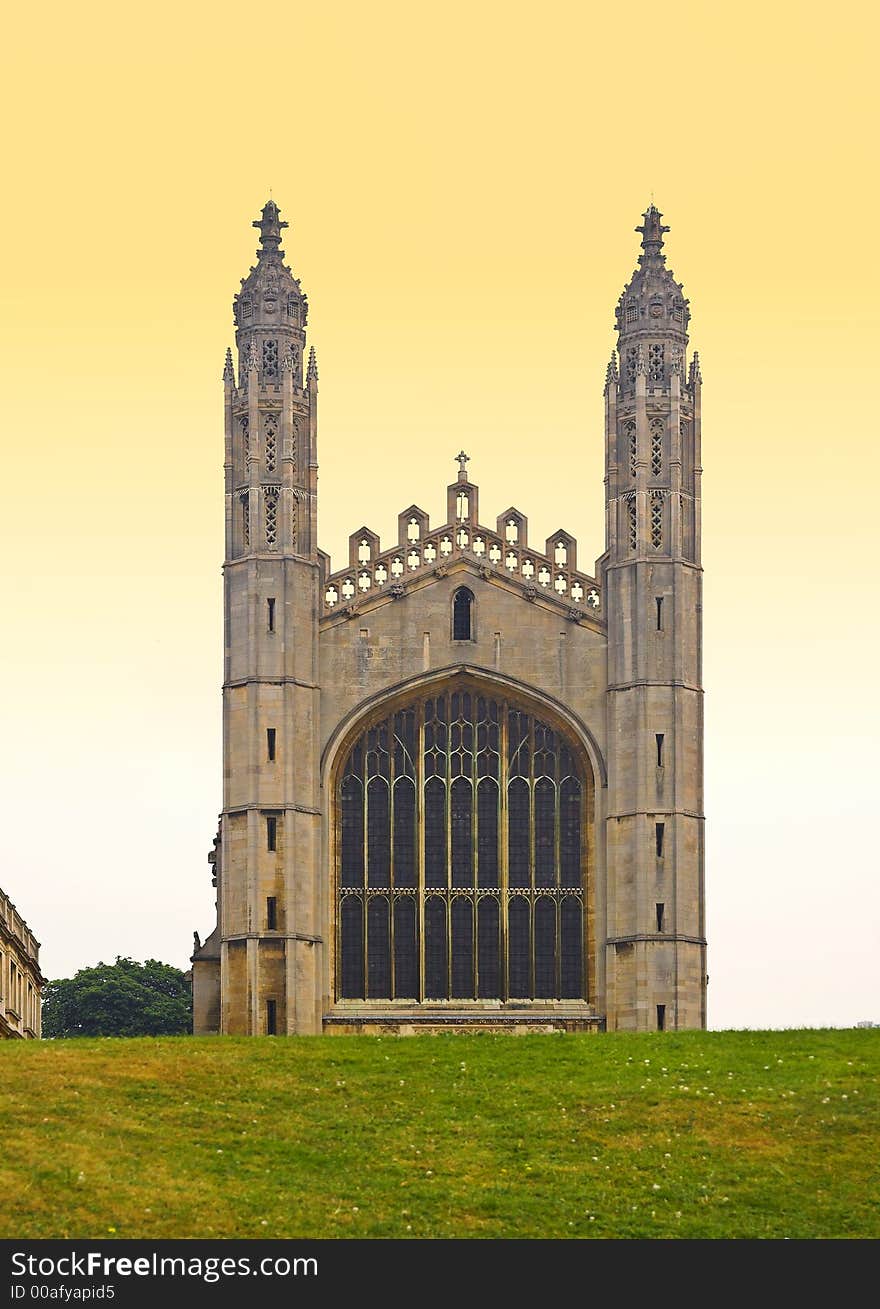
[500, 552]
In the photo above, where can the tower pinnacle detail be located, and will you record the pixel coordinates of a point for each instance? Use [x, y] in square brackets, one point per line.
[270, 224]
[652, 231]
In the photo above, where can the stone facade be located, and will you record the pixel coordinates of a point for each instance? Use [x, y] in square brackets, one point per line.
[21, 981]
[462, 776]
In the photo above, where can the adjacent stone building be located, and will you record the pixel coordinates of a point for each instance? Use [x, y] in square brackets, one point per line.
[463, 776]
[21, 981]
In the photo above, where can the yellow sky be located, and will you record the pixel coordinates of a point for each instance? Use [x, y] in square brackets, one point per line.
[462, 183]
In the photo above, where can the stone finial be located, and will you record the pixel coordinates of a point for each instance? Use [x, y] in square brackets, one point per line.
[270, 225]
[652, 230]
[463, 459]
[695, 374]
[228, 368]
[611, 370]
[641, 370]
[312, 373]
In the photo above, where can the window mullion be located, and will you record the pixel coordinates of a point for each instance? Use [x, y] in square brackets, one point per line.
[392, 757]
[504, 842]
[557, 855]
[420, 854]
[475, 844]
[448, 802]
[532, 898]
[365, 847]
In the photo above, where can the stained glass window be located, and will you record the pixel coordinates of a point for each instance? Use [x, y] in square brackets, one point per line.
[461, 856]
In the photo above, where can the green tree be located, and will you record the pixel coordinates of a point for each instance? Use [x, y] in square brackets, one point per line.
[121, 999]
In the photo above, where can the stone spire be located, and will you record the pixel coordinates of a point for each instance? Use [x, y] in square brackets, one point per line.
[271, 309]
[312, 372]
[652, 313]
[228, 369]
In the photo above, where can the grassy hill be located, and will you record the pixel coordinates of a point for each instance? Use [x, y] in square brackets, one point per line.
[719, 1134]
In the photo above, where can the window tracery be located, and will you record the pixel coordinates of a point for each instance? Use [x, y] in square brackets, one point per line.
[489, 901]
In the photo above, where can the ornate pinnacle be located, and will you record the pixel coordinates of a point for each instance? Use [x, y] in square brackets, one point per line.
[695, 374]
[641, 370]
[270, 225]
[652, 231]
[228, 369]
[611, 370]
[312, 373]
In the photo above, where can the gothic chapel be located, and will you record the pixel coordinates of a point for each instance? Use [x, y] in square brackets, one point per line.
[463, 778]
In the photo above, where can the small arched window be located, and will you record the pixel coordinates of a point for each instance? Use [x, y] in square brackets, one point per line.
[462, 611]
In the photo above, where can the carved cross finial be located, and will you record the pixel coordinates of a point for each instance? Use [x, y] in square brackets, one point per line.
[462, 460]
[270, 225]
[652, 230]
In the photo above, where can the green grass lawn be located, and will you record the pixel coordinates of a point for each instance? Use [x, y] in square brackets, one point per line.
[698, 1134]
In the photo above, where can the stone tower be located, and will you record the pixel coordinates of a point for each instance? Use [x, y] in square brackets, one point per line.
[462, 774]
[655, 965]
[267, 852]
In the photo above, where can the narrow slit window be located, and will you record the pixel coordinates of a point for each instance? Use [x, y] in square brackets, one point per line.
[462, 607]
[270, 613]
[661, 1018]
[271, 1017]
[659, 739]
[659, 613]
[659, 830]
[271, 913]
[271, 833]
[270, 743]
[661, 909]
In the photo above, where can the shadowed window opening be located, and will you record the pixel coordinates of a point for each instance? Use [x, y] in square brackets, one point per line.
[271, 913]
[659, 613]
[271, 1017]
[661, 1017]
[270, 743]
[462, 606]
[270, 613]
[659, 830]
[659, 739]
[461, 848]
[271, 833]
[660, 910]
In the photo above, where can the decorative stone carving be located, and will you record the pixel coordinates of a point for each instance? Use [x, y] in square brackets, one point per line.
[531, 593]
[397, 590]
[441, 570]
[575, 615]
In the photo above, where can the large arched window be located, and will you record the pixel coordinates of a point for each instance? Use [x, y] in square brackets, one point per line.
[461, 856]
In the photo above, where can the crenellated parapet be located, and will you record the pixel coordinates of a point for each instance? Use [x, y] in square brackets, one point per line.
[500, 553]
